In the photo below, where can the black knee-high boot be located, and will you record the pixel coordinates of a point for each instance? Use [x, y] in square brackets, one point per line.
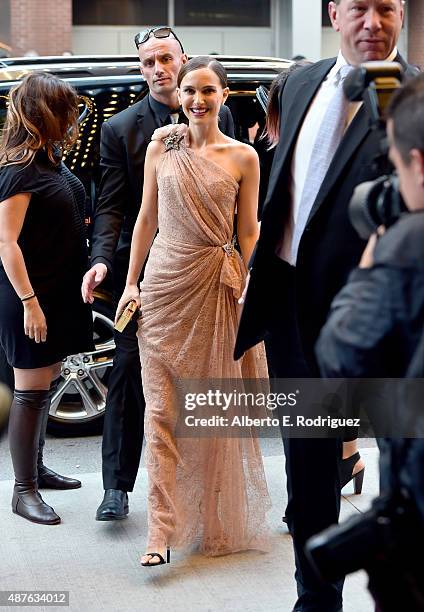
[26, 416]
[48, 479]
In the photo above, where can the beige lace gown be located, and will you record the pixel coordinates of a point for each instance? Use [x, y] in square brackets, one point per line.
[206, 491]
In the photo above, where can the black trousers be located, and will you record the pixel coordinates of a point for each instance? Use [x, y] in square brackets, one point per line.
[311, 465]
[124, 417]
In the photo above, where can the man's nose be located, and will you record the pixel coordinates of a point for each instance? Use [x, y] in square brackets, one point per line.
[372, 20]
[158, 67]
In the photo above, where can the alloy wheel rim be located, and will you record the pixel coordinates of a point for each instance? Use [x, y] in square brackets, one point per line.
[81, 392]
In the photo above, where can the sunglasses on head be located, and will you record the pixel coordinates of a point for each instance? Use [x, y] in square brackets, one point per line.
[157, 32]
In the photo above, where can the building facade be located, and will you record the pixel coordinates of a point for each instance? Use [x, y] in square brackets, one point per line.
[281, 28]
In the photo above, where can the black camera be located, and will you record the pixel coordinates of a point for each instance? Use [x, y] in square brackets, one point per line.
[354, 544]
[378, 202]
[379, 541]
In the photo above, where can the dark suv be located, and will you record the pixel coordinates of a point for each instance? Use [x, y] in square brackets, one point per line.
[107, 85]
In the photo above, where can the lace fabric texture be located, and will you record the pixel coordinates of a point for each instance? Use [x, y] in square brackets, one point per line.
[209, 491]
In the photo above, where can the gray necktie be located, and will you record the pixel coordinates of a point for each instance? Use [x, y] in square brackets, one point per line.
[328, 139]
[174, 117]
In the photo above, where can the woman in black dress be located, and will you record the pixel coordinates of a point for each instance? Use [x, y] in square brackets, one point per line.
[43, 257]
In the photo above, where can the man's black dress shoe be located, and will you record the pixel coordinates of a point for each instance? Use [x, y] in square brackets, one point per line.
[114, 506]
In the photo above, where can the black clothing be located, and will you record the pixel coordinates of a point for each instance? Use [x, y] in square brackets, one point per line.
[329, 249]
[375, 330]
[123, 145]
[377, 319]
[307, 460]
[54, 248]
[160, 111]
[124, 420]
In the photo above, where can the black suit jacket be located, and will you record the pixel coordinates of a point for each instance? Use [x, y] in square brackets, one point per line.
[123, 145]
[329, 247]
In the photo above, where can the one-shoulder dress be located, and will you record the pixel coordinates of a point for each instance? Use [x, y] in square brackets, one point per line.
[207, 491]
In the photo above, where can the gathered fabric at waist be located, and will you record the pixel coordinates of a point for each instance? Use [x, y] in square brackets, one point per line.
[170, 258]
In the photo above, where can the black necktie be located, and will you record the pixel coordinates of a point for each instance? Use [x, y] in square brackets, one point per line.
[183, 118]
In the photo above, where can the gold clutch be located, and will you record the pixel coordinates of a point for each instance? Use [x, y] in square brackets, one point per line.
[126, 316]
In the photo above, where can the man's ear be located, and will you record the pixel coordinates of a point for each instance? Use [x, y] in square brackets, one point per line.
[402, 11]
[417, 161]
[184, 58]
[420, 165]
[332, 13]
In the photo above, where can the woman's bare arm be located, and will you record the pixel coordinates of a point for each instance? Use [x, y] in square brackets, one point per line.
[145, 226]
[12, 216]
[247, 206]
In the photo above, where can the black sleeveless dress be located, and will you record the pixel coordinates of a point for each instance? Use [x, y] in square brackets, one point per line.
[54, 248]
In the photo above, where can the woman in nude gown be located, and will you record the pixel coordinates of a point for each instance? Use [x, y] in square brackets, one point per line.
[204, 490]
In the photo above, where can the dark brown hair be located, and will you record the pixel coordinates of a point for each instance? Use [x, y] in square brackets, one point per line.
[42, 113]
[406, 110]
[272, 124]
[203, 61]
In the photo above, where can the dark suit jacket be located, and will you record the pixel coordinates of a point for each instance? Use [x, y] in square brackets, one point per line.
[123, 145]
[329, 247]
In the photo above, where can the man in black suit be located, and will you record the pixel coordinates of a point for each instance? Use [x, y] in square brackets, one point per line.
[292, 283]
[124, 141]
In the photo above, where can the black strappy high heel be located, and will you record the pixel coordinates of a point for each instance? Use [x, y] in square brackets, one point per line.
[346, 473]
[161, 559]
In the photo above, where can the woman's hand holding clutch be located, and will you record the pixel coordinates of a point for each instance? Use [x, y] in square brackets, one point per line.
[131, 293]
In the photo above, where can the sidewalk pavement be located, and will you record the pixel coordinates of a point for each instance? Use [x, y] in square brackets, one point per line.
[98, 562]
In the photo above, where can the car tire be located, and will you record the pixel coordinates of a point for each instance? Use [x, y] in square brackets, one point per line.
[79, 403]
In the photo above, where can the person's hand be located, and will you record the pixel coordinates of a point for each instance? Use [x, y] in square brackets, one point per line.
[91, 279]
[35, 325]
[131, 292]
[367, 259]
[246, 286]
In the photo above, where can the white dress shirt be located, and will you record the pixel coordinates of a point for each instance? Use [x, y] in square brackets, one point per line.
[305, 144]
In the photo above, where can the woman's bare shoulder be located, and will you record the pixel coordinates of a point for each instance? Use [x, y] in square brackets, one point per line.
[242, 153]
[155, 147]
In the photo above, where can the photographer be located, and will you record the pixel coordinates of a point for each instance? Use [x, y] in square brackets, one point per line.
[375, 329]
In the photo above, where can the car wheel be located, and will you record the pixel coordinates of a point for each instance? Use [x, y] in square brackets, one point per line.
[79, 403]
